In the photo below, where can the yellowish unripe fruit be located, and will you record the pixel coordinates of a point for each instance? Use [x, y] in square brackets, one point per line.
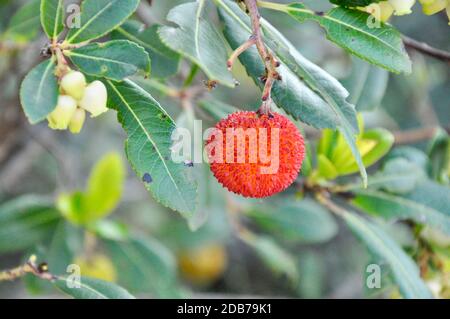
[73, 84]
[430, 7]
[94, 99]
[60, 118]
[77, 121]
[402, 7]
[97, 266]
[203, 265]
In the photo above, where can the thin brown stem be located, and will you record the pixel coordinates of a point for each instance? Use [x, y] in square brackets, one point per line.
[426, 49]
[324, 198]
[414, 136]
[62, 65]
[30, 267]
[241, 49]
[269, 61]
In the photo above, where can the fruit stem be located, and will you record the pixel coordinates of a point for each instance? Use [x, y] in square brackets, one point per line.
[62, 65]
[269, 61]
[241, 49]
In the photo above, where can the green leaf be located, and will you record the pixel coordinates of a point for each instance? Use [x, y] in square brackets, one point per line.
[144, 266]
[383, 140]
[52, 17]
[197, 39]
[114, 60]
[275, 257]
[367, 85]
[25, 221]
[66, 243]
[98, 17]
[439, 154]
[217, 109]
[39, 92]
[312, 269]
[108, 229]
[165, 62]
[102, 195]
[397, 176]
[404, 270]
[92, 289]
[354, 3]
[427, 204]
[24, 24]
[411, 154]
[325, 168]
[382, 46]
[303, 221]
[105, 186]
[148, 145]
[321, 104]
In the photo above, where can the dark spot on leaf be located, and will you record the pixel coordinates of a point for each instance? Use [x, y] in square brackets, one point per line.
[162, 116]
[104, 69]
[320, 13]
[147, 178]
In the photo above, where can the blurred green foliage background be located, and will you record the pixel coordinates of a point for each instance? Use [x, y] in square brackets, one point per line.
[301, 250]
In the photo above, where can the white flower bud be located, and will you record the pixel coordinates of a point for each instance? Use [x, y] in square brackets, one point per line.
[402, 7]
[73, 84]
[77, 121]
[60, 118]
[381, 11]
[94, 99]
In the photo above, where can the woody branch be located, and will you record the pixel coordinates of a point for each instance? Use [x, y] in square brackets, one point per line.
[270, 63]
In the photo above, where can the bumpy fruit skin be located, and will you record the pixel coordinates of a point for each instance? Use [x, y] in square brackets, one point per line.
[203, 265]
[77, 121]
[94, 99]
[97, 266]
[73, 84]
[60, 118]
[247, 178]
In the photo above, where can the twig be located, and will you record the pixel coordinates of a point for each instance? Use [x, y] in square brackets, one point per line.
[323, 197]
[241, 49]
[268, 59]
[30, 267]
[426, 49]
[413, 136]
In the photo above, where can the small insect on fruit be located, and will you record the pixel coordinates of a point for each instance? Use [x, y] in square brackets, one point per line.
[255, 155]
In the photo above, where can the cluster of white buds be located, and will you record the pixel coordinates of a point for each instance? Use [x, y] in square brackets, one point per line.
[385, 9]
[75, 99]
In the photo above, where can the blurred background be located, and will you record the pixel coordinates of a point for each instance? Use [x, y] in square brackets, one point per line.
[321, 259]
